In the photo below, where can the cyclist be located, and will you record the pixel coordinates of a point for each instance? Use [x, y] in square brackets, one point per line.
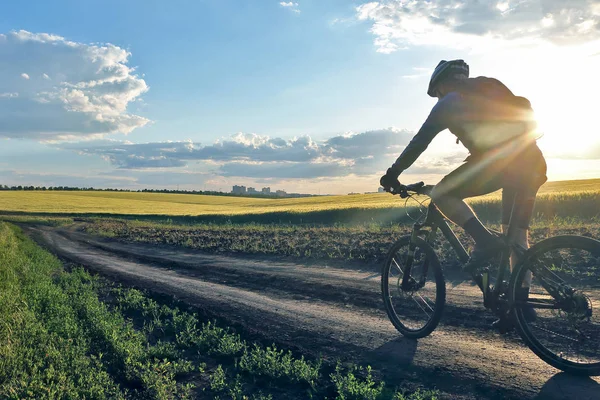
[499, 131]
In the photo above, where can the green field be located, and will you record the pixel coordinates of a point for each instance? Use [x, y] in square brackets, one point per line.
[565, 199]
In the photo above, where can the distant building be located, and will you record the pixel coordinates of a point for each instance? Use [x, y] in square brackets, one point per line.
[239, 189]
[266, 190]
[281, 193]
[252, 190]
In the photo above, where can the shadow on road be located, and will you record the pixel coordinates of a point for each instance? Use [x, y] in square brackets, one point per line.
[400, 350]
[565, 386]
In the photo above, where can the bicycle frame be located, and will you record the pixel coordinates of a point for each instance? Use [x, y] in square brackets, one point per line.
[435, 221]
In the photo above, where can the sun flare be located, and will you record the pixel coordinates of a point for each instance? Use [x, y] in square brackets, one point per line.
[561, 84]
[565, 128]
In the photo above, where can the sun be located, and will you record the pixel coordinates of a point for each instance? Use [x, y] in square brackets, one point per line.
[562, 84]
[566, 123]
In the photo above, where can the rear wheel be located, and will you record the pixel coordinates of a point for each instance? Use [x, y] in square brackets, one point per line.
[565, 294]
[414, 303]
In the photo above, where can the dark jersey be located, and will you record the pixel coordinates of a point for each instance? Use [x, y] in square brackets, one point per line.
[483, 115]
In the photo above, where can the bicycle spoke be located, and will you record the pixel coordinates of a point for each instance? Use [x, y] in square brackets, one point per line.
[421, 307]
[412, 302]
[547, 270]
[425, 302]
[397, 266]
[565, 301]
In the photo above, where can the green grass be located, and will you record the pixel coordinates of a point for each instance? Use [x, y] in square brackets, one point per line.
[556, 199]
[38, 220]
[350, 387]
[71, 335]
[57, 340]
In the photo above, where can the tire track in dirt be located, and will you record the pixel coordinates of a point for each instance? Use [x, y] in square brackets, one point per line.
[334, 282]
[463, 363]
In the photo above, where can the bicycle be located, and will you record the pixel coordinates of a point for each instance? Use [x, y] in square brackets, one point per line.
[566, 331]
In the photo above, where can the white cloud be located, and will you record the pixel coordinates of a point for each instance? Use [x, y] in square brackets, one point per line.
[9, 95]
[352, 157]
[462, 23]
[252, 155]
[261, 158]
[129, 155]
[88, 94]
[291, 5]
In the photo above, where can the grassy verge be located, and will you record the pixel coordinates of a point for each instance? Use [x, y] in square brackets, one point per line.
[71, 335]
[59, 341]
[47, 220]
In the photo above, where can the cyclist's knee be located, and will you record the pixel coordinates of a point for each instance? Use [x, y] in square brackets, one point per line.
[439, 193]
[435, 194]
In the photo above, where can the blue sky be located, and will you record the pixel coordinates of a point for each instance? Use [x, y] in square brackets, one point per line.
[306, 95]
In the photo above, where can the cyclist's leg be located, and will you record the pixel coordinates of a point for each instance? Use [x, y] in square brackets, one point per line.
[517, 209]
[474, 178]
[518, 199]
[448, 196]
[510, 200]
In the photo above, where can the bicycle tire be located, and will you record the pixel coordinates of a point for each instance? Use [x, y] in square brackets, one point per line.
[527, 333]
[433, 268]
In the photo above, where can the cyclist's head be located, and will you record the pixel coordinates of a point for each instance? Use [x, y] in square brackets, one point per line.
[446, 72]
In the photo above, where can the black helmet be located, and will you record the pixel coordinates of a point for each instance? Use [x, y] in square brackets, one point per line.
[457, 69]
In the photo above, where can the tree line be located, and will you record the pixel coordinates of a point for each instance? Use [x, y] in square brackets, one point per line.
[62, 188]
[88, 189]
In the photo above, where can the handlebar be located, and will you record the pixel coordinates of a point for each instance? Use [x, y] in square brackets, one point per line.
[416, 188]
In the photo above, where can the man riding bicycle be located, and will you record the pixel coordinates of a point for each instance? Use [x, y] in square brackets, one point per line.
[499, 131]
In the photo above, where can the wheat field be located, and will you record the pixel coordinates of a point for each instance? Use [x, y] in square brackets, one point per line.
[565, 198]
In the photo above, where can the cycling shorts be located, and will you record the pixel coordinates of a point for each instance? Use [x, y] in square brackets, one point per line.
[518, 170]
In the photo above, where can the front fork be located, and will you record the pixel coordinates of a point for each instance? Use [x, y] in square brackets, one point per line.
[408, 282]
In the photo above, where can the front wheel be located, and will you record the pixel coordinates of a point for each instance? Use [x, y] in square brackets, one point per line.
[413, 288]
[564, 329]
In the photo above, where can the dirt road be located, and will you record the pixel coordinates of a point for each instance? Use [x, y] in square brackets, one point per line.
[334, 311]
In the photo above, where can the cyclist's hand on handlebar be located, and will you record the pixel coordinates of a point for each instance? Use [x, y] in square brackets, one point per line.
[389, 180]
[390, 183]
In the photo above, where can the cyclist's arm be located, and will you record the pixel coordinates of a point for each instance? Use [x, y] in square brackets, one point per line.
[436, 122]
